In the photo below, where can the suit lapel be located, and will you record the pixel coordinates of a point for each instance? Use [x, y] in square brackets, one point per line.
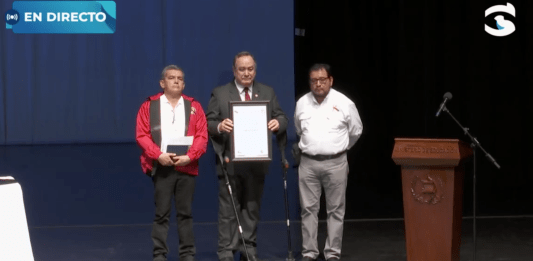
[234, 92]
[256, 92]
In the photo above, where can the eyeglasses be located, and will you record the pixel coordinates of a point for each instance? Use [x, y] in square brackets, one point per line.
[321, 80]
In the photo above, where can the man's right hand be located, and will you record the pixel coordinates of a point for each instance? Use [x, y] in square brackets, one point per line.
[226, 125]
[165, 159]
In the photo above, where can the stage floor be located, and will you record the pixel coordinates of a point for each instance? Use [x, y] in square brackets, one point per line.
[498, 238]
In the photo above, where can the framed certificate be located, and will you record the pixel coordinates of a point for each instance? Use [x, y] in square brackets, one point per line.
[250, 138]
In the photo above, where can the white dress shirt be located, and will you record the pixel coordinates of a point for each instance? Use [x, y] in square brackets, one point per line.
[172, 121]
[242, 93]
[328, 128]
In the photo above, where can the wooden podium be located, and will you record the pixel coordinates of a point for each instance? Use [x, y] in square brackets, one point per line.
[432, 181]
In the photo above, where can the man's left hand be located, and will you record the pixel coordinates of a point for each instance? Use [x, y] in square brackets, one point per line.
[273, 125]
[181, 160]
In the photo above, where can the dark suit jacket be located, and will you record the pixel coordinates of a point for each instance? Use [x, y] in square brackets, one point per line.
[218, 110]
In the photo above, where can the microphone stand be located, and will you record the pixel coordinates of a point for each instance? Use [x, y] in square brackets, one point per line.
[285, 166]
[475, 144]
[233, 203]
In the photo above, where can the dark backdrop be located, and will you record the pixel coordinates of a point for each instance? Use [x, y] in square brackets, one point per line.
[396, 59]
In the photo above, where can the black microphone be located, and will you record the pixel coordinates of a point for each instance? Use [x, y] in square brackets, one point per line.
[447, 97]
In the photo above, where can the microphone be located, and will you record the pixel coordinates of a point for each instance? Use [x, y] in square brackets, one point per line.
[447, 97]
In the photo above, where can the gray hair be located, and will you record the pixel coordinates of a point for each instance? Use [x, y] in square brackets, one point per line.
[171, 67]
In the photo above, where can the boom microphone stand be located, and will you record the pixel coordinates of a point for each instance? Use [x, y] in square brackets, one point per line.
[475, 144]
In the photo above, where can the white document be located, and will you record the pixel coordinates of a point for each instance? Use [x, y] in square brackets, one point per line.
[184, 140]
[250, 132]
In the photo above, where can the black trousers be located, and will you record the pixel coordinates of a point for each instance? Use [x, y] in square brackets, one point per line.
[168, 184]
[247, 180]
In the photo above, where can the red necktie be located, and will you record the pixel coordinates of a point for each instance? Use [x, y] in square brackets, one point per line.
[246, 95]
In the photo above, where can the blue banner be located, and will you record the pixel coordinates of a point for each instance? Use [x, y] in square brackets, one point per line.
[62, 17]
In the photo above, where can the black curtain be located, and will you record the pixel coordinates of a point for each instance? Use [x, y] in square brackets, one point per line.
[395, 60]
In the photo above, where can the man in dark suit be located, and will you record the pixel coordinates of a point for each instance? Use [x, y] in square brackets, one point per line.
[246, 178]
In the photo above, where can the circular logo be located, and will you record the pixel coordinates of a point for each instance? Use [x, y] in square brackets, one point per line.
[427, 190]
[12, 17]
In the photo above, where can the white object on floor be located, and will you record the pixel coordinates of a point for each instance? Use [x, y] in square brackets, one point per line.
[14, 236]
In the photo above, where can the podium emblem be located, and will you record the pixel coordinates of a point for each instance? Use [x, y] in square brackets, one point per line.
[427, 190]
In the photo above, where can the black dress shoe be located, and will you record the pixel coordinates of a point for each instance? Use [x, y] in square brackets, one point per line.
[333, 259]
[306, 258]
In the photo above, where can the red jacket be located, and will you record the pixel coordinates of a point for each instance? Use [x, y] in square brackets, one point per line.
[151, 152]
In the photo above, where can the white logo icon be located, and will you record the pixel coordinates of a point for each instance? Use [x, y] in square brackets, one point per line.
[12, 17]
[505, 27]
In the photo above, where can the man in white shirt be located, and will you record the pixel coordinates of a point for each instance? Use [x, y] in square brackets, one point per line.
[328, 124]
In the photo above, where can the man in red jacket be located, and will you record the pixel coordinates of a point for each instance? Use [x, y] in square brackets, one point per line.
[162, 119]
